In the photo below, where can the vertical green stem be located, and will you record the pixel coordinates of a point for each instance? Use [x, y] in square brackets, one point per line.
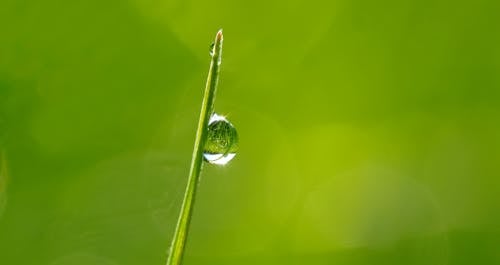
[181, 230]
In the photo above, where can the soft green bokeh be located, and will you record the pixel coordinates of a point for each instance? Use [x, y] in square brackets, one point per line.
[369, 131]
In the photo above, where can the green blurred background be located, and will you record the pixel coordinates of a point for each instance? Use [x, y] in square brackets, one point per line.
[369, 131]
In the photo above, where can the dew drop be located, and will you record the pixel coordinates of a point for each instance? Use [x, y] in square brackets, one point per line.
[222, 141]
[211, 49]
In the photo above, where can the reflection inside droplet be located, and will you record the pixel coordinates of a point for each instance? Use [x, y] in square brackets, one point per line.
[222, 141]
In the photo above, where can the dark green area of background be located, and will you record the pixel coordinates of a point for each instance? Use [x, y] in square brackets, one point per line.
[369, 131]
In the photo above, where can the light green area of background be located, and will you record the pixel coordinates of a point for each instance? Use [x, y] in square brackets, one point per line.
[369, 131]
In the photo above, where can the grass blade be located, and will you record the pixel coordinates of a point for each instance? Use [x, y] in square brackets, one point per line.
[181, 230]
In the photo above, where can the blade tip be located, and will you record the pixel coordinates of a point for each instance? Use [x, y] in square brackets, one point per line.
[219, 35]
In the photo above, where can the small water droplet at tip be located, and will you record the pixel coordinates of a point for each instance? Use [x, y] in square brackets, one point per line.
[211, 49]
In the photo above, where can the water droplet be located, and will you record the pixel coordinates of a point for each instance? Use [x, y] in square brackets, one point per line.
[211, 49]
[222, 141]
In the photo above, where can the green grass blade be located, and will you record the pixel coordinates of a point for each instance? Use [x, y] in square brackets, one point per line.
[181, 230]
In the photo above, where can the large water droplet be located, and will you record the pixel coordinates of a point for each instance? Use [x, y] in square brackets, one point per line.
[222, 141]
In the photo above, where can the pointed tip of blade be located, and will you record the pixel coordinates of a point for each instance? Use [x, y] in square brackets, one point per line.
[218, 37]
